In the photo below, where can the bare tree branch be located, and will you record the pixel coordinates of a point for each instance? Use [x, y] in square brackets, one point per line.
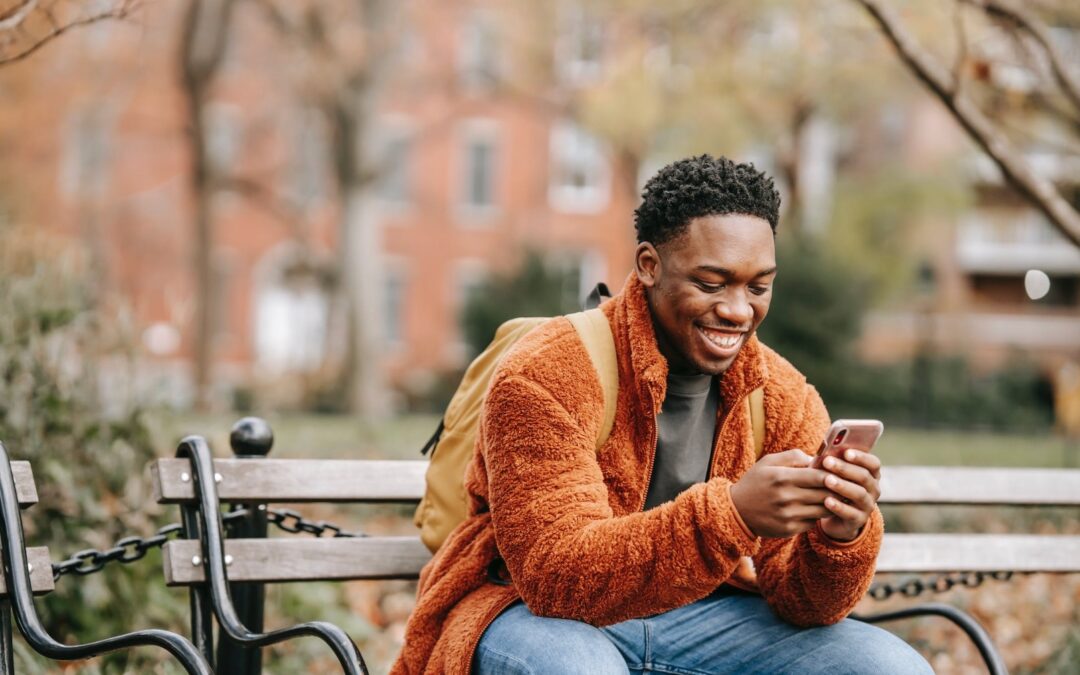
[261, 196]
[960, 63]
[13, 23]
[1040, 191]
[1013, 13]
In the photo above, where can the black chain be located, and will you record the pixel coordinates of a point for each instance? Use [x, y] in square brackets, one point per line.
[130, 549]
[292, 522]
[915, 587]
[126, 550]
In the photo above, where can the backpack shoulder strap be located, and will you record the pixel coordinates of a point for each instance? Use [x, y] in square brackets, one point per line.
[595, 332]
[756, 400]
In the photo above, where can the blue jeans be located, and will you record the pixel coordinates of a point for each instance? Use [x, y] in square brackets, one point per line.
[720, 634]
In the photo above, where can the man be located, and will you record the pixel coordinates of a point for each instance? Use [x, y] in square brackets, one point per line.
[574, 560]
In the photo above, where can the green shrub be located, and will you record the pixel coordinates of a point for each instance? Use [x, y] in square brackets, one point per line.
[537, 288]
[88, 466]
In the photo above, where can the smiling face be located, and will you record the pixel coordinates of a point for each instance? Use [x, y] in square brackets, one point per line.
[708, 289]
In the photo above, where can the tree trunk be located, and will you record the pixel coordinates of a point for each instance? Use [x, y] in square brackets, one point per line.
[202, 47]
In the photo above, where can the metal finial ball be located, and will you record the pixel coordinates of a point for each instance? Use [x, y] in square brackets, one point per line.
[251, 436]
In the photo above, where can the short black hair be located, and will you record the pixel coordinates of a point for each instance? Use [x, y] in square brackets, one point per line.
[702, 186]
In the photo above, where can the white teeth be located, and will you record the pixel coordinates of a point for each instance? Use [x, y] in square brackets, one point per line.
[722, 340]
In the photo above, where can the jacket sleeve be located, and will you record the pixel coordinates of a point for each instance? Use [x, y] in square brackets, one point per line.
[567, 554]
[811, 579]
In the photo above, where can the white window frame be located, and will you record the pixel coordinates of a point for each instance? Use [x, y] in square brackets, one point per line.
[573, 149]
[479, 51]
[397, 270]
[467, 273]
[476, 131]
[572, 65]
[397, 129]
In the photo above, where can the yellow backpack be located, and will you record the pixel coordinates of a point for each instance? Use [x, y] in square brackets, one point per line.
[445, 503]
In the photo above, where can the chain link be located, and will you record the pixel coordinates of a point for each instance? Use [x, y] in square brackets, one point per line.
[911, 588]
[292, 522]
[126, 550]
[130, 549]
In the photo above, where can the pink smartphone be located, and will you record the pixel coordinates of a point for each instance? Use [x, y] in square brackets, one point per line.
[845, 434]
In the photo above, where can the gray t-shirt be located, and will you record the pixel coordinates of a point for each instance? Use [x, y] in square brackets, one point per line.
[685, 429]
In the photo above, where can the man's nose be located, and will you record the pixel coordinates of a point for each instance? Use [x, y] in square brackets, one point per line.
[735, 308]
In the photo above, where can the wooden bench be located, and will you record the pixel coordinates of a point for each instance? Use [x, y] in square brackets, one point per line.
[254, 480]
[28, 572]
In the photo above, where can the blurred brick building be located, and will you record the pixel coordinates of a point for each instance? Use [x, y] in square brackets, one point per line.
[94, 134]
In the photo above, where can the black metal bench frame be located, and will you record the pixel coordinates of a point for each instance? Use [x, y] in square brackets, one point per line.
[19, 600]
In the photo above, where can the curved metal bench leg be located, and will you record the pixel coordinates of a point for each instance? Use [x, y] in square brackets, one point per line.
[17, 578]
[7, 657]
[965, 621]
[213, 544]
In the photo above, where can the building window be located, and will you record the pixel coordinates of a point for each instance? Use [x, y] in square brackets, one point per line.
[580, 177]
[87, 148]
[396, 170]
[579, 51]
[469, 276]
[305, 179]
[224, 134]
[292, 309]
[394, 306]
[290, 333]
[479, 158]
[478, 52]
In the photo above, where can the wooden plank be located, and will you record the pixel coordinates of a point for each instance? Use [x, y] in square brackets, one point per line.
[296, 480]
[323, 480]
[274, 560]
[25, 490]
[981, 485]
[41, 578]
[979, 553]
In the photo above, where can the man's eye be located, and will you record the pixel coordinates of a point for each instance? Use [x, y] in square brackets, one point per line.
[710, 288]
[759, 290]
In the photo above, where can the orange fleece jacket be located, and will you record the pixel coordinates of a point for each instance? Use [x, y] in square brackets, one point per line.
[568, 520]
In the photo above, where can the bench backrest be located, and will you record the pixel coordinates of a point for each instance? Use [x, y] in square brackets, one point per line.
[41, 577]
[254, 480]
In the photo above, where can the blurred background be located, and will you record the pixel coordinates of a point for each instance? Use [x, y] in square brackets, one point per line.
[319, 210]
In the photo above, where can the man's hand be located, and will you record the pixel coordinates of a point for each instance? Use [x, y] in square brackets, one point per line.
[854, 486]
[781, 495]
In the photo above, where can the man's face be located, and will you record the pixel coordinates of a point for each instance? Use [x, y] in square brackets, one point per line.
[709, 289]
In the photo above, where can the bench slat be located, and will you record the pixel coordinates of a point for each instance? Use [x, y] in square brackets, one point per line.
[979, 553]
[274, 560]
[25, 490]
[325, 480]
[296, 480]
[41, 578]
[981, 485]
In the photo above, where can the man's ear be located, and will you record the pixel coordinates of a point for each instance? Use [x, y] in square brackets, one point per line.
[647, 264]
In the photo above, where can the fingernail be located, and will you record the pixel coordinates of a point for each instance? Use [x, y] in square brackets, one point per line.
[850, 454]
[830, 462]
